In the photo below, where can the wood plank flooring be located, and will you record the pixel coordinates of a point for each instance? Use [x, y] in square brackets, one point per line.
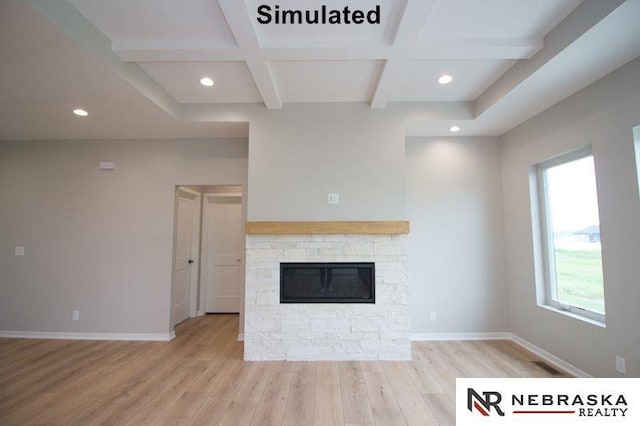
[201, 379]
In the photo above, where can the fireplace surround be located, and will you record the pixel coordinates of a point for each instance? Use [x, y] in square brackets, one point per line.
[326, 331]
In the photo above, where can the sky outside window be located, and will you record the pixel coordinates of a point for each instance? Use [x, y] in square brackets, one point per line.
[573, 197]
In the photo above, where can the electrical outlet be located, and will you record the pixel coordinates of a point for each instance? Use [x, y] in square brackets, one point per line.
[19, 251]
[620, 365]
[433, 316]
[107, 165]
[75, 315]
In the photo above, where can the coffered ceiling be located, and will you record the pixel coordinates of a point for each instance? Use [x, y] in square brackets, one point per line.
[509, 59]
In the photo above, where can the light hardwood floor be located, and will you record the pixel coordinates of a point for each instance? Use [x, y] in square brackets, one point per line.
[201, 379]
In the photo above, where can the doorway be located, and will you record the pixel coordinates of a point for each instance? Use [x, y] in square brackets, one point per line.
[186, 248]
[209, 251]
[223, 247]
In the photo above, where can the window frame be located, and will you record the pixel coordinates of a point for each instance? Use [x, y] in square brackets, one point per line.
[549, 288]
[636, 148]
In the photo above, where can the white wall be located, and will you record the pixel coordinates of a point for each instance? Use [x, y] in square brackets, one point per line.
[602, 115]
[456, 250]
[99, 242]
[301, 153]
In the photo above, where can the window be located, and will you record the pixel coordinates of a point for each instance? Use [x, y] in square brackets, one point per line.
[570, 235]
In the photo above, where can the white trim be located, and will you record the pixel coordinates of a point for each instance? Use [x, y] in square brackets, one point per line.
[194, 273]
[550, 358]
[165, 337]
[204, 251]
[188, 193]
[205, 266]
[417, 337]
[195, 253]
[222, 195]
[636, 148]
[62, 335]
[549, 296]
[573, 315]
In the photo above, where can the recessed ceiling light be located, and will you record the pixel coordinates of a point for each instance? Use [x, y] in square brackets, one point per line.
[445, 79]
[206, 81]
[80, 112]
[454, 129]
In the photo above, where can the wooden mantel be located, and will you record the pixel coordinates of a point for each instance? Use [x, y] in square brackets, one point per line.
[331, 227]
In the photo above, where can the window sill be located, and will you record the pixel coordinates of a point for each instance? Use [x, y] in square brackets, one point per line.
[575, 316]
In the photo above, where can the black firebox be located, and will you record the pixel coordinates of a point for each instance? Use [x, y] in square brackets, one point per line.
[327, 283]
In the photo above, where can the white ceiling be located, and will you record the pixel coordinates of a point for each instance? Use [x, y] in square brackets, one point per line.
[510, 59]
[44, 75]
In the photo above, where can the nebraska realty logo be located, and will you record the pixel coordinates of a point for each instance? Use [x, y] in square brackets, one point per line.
[552, 401]
[484, 404]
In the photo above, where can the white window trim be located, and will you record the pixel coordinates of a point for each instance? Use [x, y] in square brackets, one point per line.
[548, 299]
[636, 148]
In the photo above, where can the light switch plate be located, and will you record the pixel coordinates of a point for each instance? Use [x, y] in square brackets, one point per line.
[19, 251]
[333, 198]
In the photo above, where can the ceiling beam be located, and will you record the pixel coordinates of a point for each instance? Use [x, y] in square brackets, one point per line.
[239, 21]
[388, 77]
[175, 51]
[476, 48]
[424, 50]
[414, 16]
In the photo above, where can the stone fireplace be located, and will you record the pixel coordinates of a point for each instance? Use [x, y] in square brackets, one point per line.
[326, 331]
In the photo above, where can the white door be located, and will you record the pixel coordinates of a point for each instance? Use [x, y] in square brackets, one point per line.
[224, 245]
[183, 255]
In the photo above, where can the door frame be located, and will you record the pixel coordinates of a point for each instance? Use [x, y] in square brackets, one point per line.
[205, 246]
[194, 276]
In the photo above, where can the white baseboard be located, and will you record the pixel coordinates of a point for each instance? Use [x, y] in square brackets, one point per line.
[163, 337]
[550, 358]
[417, 337]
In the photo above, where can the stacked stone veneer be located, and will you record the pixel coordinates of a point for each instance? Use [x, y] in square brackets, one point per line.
[323, 331]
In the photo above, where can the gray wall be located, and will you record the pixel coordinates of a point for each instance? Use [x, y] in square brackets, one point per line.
[100, 242]
[449, 190]
[602, 115]
[456, 250]
[301, 153]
